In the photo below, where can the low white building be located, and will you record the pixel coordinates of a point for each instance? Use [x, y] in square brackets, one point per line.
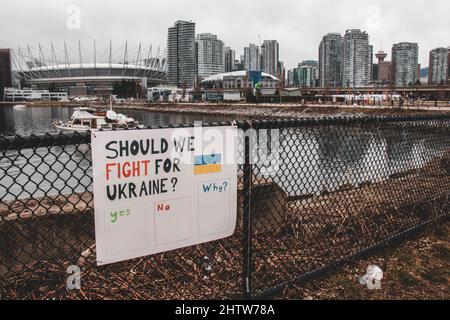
[239, 79]
[168, 94]
[13, 94]
[232, 96]
[231, 86]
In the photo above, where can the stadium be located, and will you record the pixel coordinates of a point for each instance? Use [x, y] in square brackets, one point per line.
[94, 73]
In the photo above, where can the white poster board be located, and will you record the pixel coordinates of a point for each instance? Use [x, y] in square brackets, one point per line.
[163, 189]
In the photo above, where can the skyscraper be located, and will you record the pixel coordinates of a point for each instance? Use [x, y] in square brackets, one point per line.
[210, 55]
[181, 54]
[306, 74]
[330, 58]
[356, 64]
[438, 67]
[370, 64]
[230, 57]
[384, 68]
[290, 77]
[281, 73]
[448, 64]
[270, 52]
[5, 70]
[252, 58]
[405, 59]
[239, 64]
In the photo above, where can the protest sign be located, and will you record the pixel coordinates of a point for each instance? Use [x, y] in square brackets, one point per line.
[164, 189]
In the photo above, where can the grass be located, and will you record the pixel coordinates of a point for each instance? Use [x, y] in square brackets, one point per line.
[435, 275]
[416, 269]
[405, 278]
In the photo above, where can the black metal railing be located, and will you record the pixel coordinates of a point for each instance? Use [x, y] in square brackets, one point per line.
[312, 193]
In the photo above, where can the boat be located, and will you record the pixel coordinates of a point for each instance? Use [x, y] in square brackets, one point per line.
[88, 119]
[19, 107]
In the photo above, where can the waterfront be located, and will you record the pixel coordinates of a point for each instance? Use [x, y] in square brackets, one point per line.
[396, 148]
[39, 120]
[327, 158]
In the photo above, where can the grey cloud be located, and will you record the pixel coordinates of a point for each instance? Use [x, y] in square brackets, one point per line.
[297, 24]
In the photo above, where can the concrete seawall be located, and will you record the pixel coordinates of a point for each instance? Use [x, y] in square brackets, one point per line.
[248, 111]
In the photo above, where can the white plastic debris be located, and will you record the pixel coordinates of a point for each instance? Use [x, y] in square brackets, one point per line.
[206, 264]
[372, 279]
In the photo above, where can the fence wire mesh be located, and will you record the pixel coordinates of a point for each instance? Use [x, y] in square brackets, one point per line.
[311, 193]
[358, 183]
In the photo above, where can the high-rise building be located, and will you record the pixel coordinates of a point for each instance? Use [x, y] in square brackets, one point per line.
[374, 72]
[448, 64]
[252, 58]
[356, 64]
[210, 55]
[281, 73]
[330, 58]
[384, 68]
[290, 77]
[238, 65]
[438, 67]
[419, 67]
[405, 59]
[270, 53]
[306, 74]
[5, 70]
[181, 54]
[230, 60]
[370, 64]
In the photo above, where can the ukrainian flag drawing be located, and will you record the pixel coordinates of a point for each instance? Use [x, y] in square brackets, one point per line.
[207, 164]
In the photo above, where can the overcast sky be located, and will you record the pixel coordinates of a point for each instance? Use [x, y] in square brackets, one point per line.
[298, 25]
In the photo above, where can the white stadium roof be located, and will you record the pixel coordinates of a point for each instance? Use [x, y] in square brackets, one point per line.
[63, 66]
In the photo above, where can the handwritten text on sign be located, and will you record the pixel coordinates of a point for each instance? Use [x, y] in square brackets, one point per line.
[160, 190]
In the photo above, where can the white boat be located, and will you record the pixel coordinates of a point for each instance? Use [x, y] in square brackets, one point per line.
[19, 107]
[86, 119]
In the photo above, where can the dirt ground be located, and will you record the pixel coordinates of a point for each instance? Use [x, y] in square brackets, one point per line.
[418, 269]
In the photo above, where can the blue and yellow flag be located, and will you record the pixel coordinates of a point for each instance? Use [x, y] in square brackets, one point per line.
[207, 164]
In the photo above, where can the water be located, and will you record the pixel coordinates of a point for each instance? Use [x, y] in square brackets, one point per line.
[38, 120]
[310, 160]
[324, 159]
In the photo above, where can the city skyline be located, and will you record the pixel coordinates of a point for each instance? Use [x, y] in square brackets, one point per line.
[386, 23]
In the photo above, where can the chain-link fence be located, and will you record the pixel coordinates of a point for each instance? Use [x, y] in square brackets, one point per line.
[311, 193]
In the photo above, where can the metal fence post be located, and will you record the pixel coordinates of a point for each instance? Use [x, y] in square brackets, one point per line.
[247, 238]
